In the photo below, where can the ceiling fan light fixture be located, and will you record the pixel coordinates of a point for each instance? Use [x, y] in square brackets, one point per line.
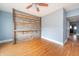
[36, 5]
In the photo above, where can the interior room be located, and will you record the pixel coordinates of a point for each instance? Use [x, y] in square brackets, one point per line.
[74, 27]
[39, 29]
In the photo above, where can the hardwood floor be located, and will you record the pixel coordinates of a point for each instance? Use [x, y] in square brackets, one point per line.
[40, 47]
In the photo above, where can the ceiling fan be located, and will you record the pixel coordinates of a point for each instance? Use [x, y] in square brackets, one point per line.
[36, 5]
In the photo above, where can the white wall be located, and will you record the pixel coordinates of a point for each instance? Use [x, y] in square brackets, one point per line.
[52, 26]
[68, 28]
[65, 28]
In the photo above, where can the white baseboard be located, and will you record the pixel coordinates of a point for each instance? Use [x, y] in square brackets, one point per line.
[53, 41]
[8, 40]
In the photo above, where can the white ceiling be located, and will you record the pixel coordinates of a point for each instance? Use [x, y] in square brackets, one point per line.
[74, 18]
[52, 7]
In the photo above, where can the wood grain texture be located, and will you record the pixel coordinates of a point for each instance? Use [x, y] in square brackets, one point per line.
[25, 15]
[25, 21]
[40, 47]
[14, 22]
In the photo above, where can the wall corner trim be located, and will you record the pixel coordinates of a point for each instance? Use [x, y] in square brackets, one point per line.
[53, 41]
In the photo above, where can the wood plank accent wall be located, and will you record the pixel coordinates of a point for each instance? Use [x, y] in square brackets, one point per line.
[14, 26]
[26, 20]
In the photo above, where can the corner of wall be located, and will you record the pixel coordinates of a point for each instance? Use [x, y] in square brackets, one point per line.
[54, 41]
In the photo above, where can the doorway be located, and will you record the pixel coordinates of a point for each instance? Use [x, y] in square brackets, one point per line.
[74, 27]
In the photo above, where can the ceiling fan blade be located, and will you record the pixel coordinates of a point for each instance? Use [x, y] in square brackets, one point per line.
[42, 4]
[29, 6]
[37, 9]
